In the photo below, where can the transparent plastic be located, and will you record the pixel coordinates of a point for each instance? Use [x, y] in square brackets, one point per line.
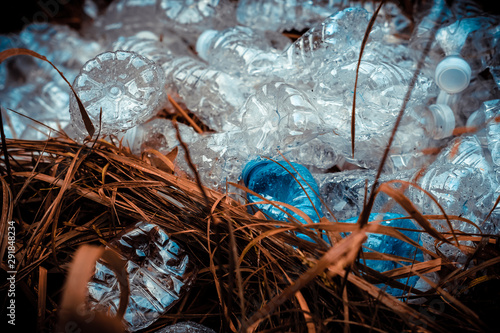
[61, 45]
[191, 17]
[438, 120]
[126, 86]
[150, 48]
[461, 181]
[210, 94]
[284, 15]
[292, 184]
[185, 327]
[238, 51]
[378, 101]
[280, 116]
[159, 273]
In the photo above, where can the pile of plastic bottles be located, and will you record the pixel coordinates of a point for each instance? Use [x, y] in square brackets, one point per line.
[264, 95]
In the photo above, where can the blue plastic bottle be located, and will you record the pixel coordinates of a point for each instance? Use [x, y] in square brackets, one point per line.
[390, 245]
[275, 182]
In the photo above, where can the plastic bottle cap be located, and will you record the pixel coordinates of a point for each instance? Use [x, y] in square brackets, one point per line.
[453, 74]
[250, 167]
[203, 43]
[444, 120]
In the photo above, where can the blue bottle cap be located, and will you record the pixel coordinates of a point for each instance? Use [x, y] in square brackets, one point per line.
[250, 168]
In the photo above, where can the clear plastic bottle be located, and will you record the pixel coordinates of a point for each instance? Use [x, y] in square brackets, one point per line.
[185, 327]
[126, 86]
[238, 51]
[125, 18]
[191, 17]
[344, 192]
[276, 182]
[159, 134]
[461, 181]
[49, 105]
[298, 15]
[379, 99]
[150, 46]
[61, 45]
[459, 36]
[278, 116]
[336, 40]
[160, 272]
[210, 94]
[285, 15]
[390, 245]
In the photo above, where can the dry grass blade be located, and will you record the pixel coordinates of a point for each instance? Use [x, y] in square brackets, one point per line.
[401, 199]
[342, 254]
[42, 297]
[75, 291]
[20, 51]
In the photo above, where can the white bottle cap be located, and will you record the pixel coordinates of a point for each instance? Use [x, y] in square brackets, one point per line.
[203, 43]
[453, 74]
[443, 119]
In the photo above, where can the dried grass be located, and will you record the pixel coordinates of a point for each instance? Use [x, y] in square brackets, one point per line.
[254, 274]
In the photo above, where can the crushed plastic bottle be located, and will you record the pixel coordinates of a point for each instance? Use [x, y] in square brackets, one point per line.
[345, 193]
[159, 273]
[150, 46]
[379, 90]
[278, 116]
[190, 17]
[159, 134]
[238, 51]
[390, 245]
[61, 45]
[126, 86]
[48, 105]
[488, 129]
[185, 327]
[298, 15]
[210, 94]
[335, 40]
[284, 15]
[461, 181]
[292, 184]
[125, 18]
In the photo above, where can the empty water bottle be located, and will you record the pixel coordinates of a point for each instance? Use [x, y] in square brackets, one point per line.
[185, 327]
[345, 193]
[158, 134]
[159, 273]
[61, 45]
[238, 51]
[334, 41]
[210, 94]
[391, 245]
[461, 181]
[189, 17]
[124, 18]
[150, 46]
[379, 89]
[127, 87]
[284, 15]
[278, 116]
[291, 183]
